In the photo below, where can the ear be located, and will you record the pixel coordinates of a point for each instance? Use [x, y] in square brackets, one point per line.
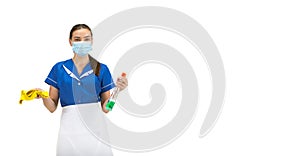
[70, 42]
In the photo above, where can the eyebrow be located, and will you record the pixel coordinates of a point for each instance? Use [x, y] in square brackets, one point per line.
[83, 37]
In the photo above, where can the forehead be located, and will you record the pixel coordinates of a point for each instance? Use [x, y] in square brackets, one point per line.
[81, 33]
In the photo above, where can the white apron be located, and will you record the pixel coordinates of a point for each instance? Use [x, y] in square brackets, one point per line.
[82, 130]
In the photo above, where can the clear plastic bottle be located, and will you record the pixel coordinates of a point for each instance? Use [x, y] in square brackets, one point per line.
[112, 100]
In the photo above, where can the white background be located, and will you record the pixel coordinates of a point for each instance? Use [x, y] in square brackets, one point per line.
[258, 41]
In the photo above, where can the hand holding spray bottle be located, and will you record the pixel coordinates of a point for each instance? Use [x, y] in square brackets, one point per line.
[113, 97]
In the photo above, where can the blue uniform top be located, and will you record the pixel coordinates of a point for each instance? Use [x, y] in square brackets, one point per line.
[78, 89]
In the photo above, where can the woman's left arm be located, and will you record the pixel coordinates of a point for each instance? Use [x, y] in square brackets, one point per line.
[104, 98]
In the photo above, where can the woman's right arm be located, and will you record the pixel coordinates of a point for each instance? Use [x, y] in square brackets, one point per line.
[52, 101]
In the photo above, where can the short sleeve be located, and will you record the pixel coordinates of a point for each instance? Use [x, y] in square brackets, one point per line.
[107, 82]
[52, 77]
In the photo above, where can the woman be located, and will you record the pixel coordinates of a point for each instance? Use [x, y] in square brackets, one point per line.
[81, 83]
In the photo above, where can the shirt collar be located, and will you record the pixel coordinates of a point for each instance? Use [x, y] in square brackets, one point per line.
[70, 68]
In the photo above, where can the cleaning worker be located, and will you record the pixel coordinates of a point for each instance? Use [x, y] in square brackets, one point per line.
[82, 85]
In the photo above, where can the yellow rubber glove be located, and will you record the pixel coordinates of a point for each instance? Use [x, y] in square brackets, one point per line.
[32, 94]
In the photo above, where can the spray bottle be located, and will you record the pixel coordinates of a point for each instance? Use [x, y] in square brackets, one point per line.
[113, 97]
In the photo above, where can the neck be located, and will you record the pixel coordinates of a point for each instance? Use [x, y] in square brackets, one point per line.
[80, 59]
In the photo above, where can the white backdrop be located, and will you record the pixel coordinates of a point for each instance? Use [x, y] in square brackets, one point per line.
[258, 41]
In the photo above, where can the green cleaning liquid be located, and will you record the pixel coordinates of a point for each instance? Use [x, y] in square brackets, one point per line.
[110, 105]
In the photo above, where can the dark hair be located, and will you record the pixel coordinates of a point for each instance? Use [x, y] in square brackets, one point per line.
[94, 63]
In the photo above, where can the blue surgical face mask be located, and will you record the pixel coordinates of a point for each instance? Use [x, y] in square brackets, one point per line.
[82, 48]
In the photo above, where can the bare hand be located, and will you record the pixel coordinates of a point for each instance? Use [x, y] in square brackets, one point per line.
[122, 83]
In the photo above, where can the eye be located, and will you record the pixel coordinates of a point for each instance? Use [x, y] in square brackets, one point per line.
[87, 39]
